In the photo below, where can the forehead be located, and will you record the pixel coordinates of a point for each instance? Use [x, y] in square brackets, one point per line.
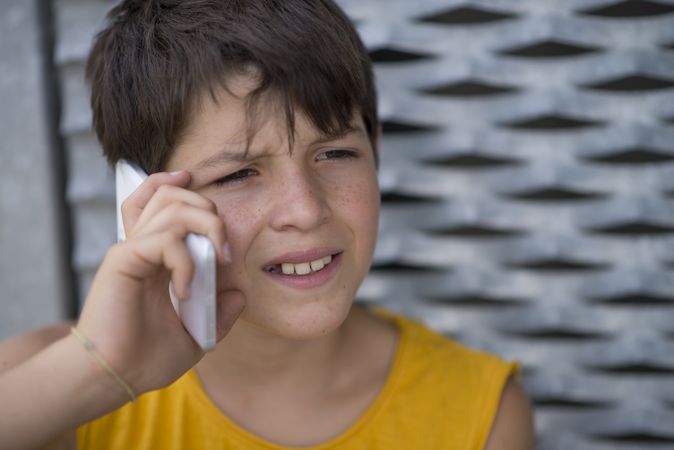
[232, 115]
[224, 108]
[223, 124]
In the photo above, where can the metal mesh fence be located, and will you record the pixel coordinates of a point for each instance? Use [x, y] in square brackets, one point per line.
[527, 178]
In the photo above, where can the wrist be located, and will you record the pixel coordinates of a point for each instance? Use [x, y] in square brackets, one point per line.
[90, 348]
[95, 392]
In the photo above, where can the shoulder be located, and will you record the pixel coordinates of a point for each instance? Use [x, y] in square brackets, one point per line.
[477, 390]
[447, 355]
[513, 425]
[18, 349]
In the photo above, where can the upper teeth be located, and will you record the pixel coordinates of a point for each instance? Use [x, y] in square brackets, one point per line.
[305, 268]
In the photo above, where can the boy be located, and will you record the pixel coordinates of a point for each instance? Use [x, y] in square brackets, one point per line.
[257, 120]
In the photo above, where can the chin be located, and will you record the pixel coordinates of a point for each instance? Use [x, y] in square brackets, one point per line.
[301, 322]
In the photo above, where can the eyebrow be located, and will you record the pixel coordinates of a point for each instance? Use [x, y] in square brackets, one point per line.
[244, 156]
[357, 130]
[222, 157]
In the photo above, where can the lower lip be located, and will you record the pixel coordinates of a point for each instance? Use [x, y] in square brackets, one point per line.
[312, 280]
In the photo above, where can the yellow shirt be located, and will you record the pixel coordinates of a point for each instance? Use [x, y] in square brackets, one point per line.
[439, 395]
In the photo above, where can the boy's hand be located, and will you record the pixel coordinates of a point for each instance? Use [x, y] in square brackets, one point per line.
[128, 314]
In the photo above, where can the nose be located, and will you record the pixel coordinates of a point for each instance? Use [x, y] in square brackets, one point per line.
[300, 202]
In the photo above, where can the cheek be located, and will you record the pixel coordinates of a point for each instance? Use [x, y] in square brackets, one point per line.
[359, 200]
[242, 215]
[353, 183]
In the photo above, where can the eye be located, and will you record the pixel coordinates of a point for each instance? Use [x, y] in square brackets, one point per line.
[235, 177]
[337, 153]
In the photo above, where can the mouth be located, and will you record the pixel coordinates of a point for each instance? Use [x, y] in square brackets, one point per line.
[300, 269]
[305, 271]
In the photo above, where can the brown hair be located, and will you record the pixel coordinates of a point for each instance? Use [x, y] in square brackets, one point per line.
[155, 57]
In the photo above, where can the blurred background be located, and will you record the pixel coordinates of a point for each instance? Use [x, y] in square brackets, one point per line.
[527, 180]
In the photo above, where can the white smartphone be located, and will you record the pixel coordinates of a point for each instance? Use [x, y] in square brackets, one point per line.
[197, 313]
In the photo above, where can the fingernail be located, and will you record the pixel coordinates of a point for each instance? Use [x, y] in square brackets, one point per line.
[176, 172]
[226, 253]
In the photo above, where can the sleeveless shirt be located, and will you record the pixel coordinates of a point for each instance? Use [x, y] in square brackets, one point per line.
[439, 395]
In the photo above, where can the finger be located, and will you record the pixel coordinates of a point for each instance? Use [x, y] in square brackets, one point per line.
[183, 219]
[134, 205]
[230, 306]
[179, 261]
[145, 257]
[166, 195]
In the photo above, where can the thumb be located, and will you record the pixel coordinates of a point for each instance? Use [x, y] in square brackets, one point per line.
[230, 306]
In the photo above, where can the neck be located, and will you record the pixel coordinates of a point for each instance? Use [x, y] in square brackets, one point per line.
[254, 357]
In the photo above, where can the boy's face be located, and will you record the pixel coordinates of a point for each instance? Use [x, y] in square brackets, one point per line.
[283, 210]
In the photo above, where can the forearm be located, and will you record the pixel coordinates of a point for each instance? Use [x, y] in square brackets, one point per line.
[20, 348]
[53, 393]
